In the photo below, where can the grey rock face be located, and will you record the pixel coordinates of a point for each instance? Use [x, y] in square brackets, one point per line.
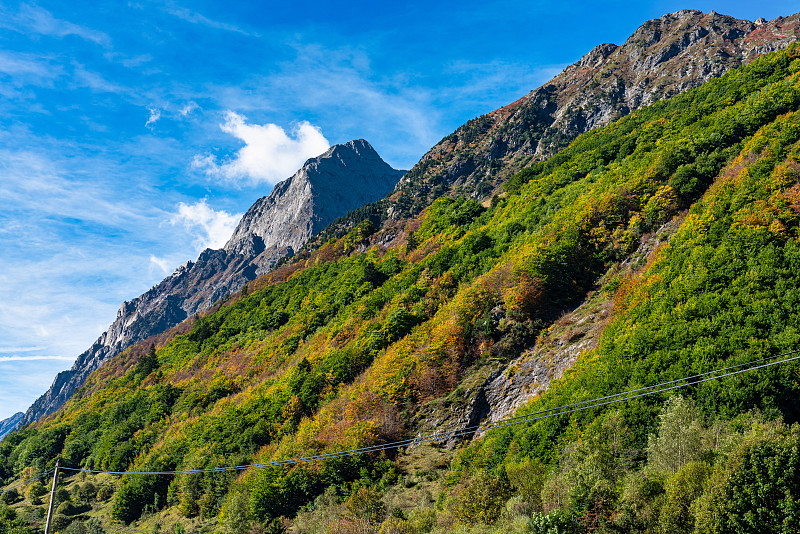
[10, 424]
[496, 392]
[664, 57]
[311, 199]
[342, 179]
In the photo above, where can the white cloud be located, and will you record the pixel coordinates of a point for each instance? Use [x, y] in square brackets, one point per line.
[212, 228]
[161, 263]
[196, 18]
[155, 115]
[32, 358]
[6, 350]
[269, 154]
[42, 22]
[95, 81]
[188, 108]
[25, 64]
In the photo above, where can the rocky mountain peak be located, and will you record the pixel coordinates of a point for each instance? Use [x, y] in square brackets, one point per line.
[663, 57]
[344, 178]
[350, 174]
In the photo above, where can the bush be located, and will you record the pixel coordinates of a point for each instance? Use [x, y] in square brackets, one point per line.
[758, 491]
[423, 520]
[60, 522]
[396, 525]
[35, 492]
[105, 492]
[682, 489]
[235, 517]
[556, 522]
[366, 503]
[62, 495]
[483, 499]
[10, 497]
[67, 508]
[87, 492]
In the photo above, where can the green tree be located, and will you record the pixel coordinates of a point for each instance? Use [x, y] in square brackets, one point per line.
[235, 516]
[10, 497]
[757, 489]
[681, 491]
[679, 439]
[366, 504]
[483, 498]
[35, 492]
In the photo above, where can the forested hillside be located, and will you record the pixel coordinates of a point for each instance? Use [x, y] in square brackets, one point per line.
[343, 349]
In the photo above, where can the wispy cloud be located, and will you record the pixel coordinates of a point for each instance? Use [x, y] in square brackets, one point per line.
[155, 115]
[194, 17]
[41, 21]
[269, 154]
[95, 81]
[35, 358]
[161, 263]
[7, 350]
[19, 64]
[212, 228]
[188, 108]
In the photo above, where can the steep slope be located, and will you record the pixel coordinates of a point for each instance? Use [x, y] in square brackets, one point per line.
[10, 424]
[343, 178]
[662, 58]
[344, 349]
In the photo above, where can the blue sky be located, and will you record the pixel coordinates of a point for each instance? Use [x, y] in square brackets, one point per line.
[133, 135]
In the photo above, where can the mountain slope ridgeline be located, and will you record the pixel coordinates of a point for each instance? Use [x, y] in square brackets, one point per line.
[343, 178]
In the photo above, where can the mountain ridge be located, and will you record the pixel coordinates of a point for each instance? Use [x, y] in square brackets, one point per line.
[662, 58]
[272, 228]
[9, 424]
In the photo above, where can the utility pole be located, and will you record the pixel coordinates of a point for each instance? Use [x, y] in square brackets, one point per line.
[52, 499]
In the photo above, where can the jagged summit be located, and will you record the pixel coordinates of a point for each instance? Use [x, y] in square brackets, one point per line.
[663, 57]
[342, 179]
[350, 174]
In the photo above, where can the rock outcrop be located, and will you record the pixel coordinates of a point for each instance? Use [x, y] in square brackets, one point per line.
[344, 178]
[664, 57]
[9, 425]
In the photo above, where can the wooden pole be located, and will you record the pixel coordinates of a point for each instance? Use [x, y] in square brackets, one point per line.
[52, 503]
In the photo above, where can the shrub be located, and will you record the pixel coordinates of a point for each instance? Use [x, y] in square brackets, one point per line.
[87, 492]
[67, 508]
[396, 525]
[555, 522]
[10, 497]
[60, 522]
[62, 495]
[757, 491]
[483, 499]
[105, 492]
[682, 489]
[35, 492]
[366, 503]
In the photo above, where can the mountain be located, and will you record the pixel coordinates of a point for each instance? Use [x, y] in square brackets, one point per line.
[10, 424]
[344, 178]
[633, 300]
[662, 58]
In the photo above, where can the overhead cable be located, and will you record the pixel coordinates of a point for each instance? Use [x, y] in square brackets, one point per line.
[527, 418]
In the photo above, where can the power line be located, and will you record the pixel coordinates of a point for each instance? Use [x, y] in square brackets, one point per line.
[535, 416]
[20, 483]
[644, 388]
